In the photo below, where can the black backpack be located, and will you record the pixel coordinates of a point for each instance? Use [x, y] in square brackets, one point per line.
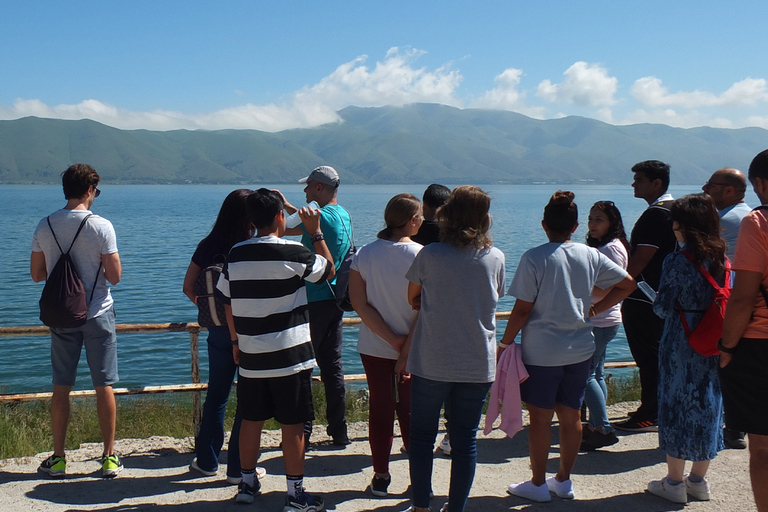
[210, 308]
[62, 303]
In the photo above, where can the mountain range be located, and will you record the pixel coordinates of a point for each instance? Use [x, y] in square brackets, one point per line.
[417, 143]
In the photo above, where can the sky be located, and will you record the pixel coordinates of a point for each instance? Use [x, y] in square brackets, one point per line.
[276, 65]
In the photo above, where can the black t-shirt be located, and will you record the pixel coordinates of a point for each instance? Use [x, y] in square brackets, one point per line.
[210, 251]
[429, 232]
[653, 228]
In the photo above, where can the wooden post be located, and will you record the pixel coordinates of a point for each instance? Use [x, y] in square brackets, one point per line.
[197, 407]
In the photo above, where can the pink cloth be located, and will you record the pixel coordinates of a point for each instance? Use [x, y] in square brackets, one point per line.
[510, 372]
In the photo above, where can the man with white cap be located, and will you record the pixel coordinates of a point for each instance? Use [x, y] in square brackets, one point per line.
[324, 316]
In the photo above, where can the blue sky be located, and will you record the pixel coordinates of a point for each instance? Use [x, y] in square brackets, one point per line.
[277, 65]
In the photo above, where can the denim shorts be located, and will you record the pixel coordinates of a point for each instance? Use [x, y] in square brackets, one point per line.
[550, 385]
[98, 336]
[287, 399]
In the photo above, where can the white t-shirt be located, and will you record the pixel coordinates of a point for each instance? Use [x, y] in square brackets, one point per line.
[558, 279]
[617, 253]
[382, 265]
[96, 238]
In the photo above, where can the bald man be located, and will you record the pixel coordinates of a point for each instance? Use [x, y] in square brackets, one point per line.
[726, 187]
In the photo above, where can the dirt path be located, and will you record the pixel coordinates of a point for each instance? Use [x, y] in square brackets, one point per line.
[157, 477]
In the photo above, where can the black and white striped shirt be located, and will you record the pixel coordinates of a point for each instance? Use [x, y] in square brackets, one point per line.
[263, 281]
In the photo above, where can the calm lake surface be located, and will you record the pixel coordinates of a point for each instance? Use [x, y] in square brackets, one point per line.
[158, 228]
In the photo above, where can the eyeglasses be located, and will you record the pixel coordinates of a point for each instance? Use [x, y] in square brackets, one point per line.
[97, 193]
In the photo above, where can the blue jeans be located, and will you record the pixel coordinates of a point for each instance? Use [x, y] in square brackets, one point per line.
[596, 392]
[465, 401]
[221, 372]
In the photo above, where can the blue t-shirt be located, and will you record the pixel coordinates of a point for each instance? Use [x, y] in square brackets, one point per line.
[336, 226]
[558, 279]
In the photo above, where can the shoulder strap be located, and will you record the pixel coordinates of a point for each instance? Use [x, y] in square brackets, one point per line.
[82, 224]
[703, 271]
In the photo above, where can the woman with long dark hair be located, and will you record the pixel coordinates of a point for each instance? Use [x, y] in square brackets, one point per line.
[231, 226]
[456, 284]
[378, 290]
[690, 406]
[606, 234]
[553, 288]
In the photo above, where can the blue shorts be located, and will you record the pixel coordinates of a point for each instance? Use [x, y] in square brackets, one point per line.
[98, 336]
[550, 385]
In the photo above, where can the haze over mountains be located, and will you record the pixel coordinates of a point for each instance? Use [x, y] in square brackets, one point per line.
[417, 143]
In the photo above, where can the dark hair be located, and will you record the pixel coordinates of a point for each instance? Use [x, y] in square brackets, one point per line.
[654, 170]
[263, 207]
[759, 167]
[77, 179]
[464, 220]
[232, 224]
[561, 214]
[436, 195]
[399, 212]
[615, 229]
[699, 222]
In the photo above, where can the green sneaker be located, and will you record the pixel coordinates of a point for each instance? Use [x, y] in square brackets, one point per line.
[110, 466]
[54, 466]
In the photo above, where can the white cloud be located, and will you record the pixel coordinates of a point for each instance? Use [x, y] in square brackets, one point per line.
[584, 85]
[393, 81]
[506, 96]
[650, 92]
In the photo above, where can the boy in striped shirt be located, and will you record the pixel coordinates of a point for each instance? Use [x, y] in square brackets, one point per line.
[268, 318]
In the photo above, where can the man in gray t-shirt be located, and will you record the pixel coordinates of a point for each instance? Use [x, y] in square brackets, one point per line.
[95, 257]
[726, 187]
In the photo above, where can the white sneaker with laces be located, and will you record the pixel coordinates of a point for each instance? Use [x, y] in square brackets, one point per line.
[445, 445]
[699, 490]
[663, 489]
[529, 491]
[562, 489]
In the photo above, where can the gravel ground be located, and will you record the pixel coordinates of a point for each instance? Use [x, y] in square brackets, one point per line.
[157, 477]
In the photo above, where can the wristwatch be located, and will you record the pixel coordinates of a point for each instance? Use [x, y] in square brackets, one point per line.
[727, 350]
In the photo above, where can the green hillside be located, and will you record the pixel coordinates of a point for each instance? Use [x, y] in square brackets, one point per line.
[412, 144]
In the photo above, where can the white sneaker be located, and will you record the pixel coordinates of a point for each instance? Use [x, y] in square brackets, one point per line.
[445, 445]
[529, 491]
[699, 490]
[663, 489]
[562, 489]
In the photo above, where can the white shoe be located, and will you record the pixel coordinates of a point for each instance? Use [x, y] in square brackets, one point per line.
[197, 468]
[562, 489]
[445, 445]
[699, 490]
[529, 491]
[663, 489]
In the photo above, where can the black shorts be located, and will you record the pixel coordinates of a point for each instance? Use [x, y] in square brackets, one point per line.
[287, 399]
[745, 385]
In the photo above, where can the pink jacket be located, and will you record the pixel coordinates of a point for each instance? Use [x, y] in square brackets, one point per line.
[510, 372]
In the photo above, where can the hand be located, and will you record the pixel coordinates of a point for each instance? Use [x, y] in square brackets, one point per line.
[288, 206]
[311, 219]
[725, 359]
[416, 303]
[400, 365]
[236, 354]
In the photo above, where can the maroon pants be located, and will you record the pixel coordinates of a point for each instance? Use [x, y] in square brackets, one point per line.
[381, 417]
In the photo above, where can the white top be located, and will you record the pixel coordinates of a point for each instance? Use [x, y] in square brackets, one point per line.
[558, 279]
[617, 253]
[382, 265]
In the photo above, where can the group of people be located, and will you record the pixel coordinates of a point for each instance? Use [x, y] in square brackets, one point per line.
[424, 352]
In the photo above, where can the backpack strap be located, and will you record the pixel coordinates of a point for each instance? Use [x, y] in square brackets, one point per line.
[704, 272]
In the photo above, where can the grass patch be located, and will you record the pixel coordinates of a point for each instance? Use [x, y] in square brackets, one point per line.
[626, 389]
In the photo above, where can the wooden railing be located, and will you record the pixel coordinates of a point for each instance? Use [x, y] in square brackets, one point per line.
[194, 348]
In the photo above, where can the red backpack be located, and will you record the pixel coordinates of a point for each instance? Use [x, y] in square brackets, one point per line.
[703, 338]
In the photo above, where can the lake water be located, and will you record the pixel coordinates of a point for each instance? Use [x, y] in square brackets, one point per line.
[158, 227]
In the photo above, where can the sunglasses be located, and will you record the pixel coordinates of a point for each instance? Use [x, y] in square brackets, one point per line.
[97, 193]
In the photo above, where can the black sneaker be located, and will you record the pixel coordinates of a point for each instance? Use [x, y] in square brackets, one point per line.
[734, 439]
[635, 424]
[246, 494]
[306, 503]
[380, 485]
[341, 440]
[597, 439]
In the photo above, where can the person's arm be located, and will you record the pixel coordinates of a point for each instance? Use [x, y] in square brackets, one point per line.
[402, 360]
[746, 287]
[414, 296]
[311, 220]
[189, 281]
[113, 271]
[232, 333]
[618, 293]
[369, 314]
[37, 268]
[640, 259]
[290, 209]
[521, 311]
